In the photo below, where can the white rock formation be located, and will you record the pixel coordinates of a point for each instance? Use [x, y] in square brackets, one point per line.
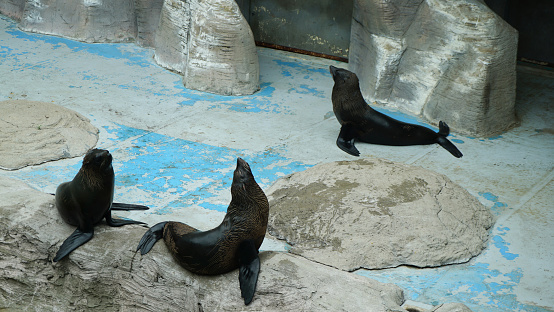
[32, 133]
[85, 20]
[446, 60]
[148, 18]
[210, 44]
[375, 214]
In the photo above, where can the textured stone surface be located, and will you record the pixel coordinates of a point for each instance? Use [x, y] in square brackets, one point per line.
[35, 132]
[106, 274]
[210, 44]
[12, 8]
[373, 214]
[148, 18]
[446, 61]
[86, 20]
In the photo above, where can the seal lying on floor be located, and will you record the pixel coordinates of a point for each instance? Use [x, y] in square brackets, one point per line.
[87, 199]
[233, 244]
[361, 122]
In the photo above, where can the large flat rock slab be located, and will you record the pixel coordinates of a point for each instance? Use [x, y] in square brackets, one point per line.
[373, 214]
[106, 274]
[36, 132]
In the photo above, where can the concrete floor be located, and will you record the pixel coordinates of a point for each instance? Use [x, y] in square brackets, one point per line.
[174, 150]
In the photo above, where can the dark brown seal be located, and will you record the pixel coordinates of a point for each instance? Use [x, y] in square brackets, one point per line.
[233, 244]
[361, 122]
[87, 199]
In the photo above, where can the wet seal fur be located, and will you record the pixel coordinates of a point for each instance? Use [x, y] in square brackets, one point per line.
[361, 122]
[233, 244]
[87, 199]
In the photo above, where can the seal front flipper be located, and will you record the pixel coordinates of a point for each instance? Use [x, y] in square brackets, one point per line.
[151, 236]
[249, 268]
[75, 240]
[127, 207]
[345, 141]
[118, 222]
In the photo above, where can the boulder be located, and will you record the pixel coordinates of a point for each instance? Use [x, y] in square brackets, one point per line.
[86, 20]
[450, 61]
[36, 132]
[210, 44]
[374, 214]
[12, 8]
[148, 18]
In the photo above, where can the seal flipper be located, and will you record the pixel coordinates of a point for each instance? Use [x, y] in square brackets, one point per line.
[71, 243]
[249, 268]
[151, 236]
[127, 207]
[345, 141]
[444, 130]
[118, 222]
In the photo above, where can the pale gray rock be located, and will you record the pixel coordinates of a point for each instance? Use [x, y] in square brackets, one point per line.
[12, 8]
[210, 44]
[36, 132]
[148, 18]
[106, 274]
[85, 20]
[450, 61]
[375, 214]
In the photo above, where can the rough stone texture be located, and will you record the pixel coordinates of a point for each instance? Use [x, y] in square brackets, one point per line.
[106, 274]
[450, 61]
[148, 18]
[210, 44]
[86, 20]
[32, 133]
[12, 8]
[374, 214]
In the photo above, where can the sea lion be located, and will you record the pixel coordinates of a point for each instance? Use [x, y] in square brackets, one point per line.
[87, 199]
[233, 244]
[361, 122]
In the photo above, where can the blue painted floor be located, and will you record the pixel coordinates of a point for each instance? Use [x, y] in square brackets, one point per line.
[175, 149]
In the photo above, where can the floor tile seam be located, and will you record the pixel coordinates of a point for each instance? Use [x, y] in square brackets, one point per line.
[527, 197]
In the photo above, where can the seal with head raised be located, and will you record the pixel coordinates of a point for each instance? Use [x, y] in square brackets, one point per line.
[361, 122]
[87, 199]
[233, 244]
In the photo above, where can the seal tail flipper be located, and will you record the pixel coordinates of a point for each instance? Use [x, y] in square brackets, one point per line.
[444, 142]
[345, 141]
[249, 268]
[75, 240]
[127, 207]
[151, 236]
[444, 130]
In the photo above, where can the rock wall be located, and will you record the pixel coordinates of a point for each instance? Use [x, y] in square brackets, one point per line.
[86, 20]
[446, 60]
[377, 214]
[210, 44]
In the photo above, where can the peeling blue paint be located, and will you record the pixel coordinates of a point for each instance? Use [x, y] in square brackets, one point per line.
[498, 206]
[457, 141]
[502, 245]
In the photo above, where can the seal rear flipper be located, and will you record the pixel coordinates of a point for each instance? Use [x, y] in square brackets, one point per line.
[127, 207]
[151, 236]
[345, 141]
[75, 240]
[249, 268]
[118, 222]
[444, 142]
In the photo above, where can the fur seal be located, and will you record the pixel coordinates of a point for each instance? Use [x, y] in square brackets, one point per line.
[87, 199]
[361, 122]
[233, 244]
